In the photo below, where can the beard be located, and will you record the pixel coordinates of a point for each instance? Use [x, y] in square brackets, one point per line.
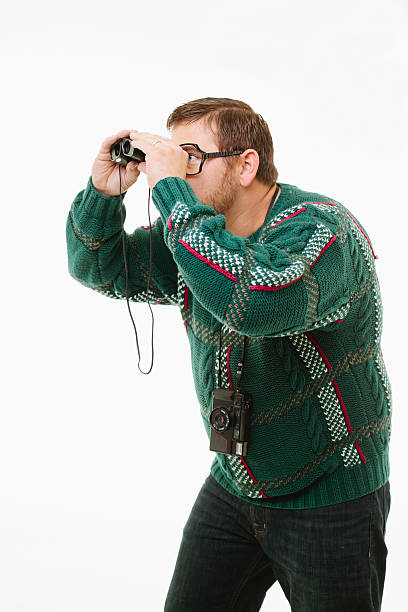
[222, 198]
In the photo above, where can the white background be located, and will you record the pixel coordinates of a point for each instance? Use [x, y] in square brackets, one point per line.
[99, 464]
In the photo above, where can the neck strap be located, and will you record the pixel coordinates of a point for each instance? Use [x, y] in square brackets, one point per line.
[240, 364]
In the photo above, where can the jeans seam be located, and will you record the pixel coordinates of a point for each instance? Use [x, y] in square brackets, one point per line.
[370, 528]
[244, 580]
[383, 510]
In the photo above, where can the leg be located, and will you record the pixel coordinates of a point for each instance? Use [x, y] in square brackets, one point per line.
[332, 559]
[220, 565]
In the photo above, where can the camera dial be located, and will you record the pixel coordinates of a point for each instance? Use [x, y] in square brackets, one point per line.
[220, 419]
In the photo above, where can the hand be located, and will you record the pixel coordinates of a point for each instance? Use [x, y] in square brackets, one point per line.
[163, 159]
[105, 174]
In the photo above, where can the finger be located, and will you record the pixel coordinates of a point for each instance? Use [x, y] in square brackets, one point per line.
[160, 137]
[123, 133]
[147, 142]
[149, 137]
[144, 144]
[133, 167]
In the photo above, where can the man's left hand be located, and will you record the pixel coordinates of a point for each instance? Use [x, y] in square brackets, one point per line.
[163, 159]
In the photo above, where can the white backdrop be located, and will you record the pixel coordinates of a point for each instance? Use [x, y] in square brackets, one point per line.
[99, 464]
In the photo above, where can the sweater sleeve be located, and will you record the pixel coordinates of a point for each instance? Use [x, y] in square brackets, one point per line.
[297, 278]
[95, 251]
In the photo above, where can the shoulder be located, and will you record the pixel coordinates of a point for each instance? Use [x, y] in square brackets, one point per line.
[313, 202]
[301, 207]
[326, 209]
[303, 211]
[297, 208]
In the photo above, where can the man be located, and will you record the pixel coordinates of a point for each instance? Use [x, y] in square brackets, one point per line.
[279, 296]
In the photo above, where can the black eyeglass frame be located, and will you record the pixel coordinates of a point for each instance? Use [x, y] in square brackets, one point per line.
[209, 155]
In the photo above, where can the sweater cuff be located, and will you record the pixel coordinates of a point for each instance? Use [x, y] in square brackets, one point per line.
[170, 190]
[99, 206]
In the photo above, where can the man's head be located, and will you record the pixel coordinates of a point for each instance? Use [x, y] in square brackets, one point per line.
[224, 124]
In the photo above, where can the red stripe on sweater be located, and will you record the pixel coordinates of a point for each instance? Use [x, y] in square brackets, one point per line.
[336, 387]
[252, 476]
[323, 250]
[265, 288]
[292, 215]
[208, 261]
[319, 350]
[248, 470]
[346, 418]
[364, 234]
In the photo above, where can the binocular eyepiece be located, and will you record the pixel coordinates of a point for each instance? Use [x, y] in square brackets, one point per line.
[122, 151]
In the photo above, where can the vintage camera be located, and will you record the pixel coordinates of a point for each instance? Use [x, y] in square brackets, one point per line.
[122, 151]
[229, 420]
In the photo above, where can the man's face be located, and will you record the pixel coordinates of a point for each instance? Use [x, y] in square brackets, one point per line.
[216, 185]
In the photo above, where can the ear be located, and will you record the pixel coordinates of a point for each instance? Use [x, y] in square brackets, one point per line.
[249, 167]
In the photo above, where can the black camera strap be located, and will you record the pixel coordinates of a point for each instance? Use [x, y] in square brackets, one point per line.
[240, 364]
[127, 271]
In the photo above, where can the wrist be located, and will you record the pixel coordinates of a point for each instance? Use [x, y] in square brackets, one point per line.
[101, 192]
[98, 206]
[160, 178]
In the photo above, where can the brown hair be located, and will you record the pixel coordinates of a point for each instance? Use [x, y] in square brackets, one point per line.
[236, 125]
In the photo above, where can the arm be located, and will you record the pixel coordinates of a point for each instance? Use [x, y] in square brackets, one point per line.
[299, 278]
[95, 251]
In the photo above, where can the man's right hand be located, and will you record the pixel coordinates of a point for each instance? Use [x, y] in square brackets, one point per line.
[105, 175]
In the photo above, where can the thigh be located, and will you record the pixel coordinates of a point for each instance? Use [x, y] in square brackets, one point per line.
[333, 558]
[220, 565]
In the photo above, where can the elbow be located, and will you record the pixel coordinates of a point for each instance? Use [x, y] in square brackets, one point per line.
[276, 312]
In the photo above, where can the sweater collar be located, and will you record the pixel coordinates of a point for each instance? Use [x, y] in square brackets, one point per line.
[280, 204]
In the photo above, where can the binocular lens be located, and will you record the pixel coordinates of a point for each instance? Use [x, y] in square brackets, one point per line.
[123, 152]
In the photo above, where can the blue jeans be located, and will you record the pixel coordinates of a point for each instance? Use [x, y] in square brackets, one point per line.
[325, 559]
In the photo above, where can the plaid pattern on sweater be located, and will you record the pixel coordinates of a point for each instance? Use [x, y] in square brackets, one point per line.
[304, 291]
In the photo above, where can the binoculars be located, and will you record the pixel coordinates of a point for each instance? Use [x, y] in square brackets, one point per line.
[122, 151]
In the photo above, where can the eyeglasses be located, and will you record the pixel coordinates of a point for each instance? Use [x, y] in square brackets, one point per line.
[197, 157]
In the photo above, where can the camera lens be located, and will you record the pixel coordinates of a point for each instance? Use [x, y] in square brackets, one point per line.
[126, 147]
[219, 419]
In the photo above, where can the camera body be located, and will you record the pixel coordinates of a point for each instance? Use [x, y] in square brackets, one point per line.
[229, 421]
[122, 151]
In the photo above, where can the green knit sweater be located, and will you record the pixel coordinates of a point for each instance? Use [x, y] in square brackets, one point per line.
[304, 291]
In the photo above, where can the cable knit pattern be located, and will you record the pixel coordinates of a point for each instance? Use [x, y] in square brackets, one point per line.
[371, 315]
[304, 291]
